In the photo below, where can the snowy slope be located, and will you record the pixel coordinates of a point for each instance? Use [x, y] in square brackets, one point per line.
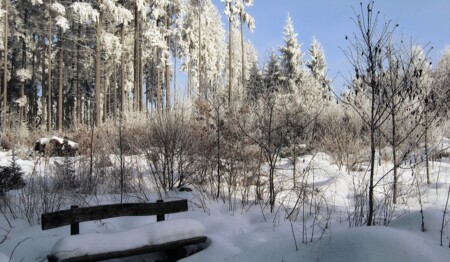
[252, 233]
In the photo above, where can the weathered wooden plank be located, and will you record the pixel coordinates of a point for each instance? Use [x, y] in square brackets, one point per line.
[136, 251]
[74, 227]
[70, 216]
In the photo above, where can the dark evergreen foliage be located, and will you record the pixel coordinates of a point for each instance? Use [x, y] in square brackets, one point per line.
[11, 177]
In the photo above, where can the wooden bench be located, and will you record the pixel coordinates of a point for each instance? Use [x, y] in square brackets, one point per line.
[75, 215]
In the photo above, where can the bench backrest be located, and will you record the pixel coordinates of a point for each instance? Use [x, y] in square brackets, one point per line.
[77, 215]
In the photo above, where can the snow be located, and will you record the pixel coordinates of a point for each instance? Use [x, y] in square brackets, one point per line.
[46, 140]
[376, 244]
[151, 234]
[59, 8]
[24, 74]
[62, 22]
[3, 258]
[85, 12]
[250, 232]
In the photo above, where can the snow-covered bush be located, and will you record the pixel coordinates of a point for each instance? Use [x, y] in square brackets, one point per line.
[341, 135]
[166, 147]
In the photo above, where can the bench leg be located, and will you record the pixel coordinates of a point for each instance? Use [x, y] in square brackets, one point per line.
[175, 254]
[52, 259]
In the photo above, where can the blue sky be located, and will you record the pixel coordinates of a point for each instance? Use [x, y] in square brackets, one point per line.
[422, 21]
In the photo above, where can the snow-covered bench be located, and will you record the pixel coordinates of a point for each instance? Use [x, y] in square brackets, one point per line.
[167, 236]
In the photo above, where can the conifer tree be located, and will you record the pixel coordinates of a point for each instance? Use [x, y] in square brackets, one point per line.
[254, 83]
[317, 63]
[272, 78]
[291, 57]
[317, 66]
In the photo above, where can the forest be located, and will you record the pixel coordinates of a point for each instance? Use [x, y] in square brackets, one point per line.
[164, 95]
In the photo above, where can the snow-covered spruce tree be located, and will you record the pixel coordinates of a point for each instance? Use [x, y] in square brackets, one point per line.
[318, 67]
[317, 63]
[204, 49]
[254, 83]
[11, 177]
[272, 75]
[291, 57]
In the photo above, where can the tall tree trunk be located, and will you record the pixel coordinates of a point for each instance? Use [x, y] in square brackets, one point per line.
[61, 81]
[200, 67]
[44, 90]
[427, 161]
[294, 169]
[22, 112]
[5, 67]
[242, 55]
[175, 75]
[168, 104]
[230, 69]
[49, 69]
[79, 104]
[189, 70]
[372, 141]
[122, 70]
[148, 102]
[136, 59]
[158, 85]
[34, 96]
[98, 48]
[394, 153]
[114, 99]
[141, 72]
[218, 152]
[105, 101]
[372, 174]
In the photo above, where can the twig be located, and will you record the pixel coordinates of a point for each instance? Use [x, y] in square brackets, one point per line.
[422, 227]
[18, 244]
[293, 234]
[443, 216]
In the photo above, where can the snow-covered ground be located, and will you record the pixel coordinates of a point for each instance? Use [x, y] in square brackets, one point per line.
[252, 233]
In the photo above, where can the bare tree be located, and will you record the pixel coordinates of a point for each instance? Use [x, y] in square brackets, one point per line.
[405, 89]
[274, 122]
[366, 54]
[167, 142]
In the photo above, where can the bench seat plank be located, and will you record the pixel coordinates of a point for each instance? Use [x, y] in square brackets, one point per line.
[133, 252]
[148, 238]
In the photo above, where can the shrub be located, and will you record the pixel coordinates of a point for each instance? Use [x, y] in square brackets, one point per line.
[11, 177]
